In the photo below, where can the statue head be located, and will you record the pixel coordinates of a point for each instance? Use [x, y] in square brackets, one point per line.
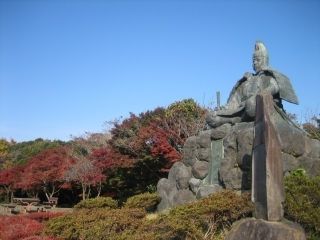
[260, 57]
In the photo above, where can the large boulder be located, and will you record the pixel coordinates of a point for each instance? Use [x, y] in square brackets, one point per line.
[200, 169]
[257, 229]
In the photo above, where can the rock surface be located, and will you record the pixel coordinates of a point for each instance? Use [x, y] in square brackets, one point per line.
[257, 229]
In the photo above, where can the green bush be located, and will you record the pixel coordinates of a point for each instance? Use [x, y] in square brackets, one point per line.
[147, 201]
[204, 219]
[99, 202]
[302, 202]
[92, 224]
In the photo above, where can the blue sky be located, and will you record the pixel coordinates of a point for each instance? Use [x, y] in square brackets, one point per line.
[68, 66]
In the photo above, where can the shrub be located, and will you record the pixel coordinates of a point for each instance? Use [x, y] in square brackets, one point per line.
[99, 202]
[95, 223]
[40, 238]
[27, 226]
[204, 219]
[17, 227]
[314, 132]
[43, 216]
[303, 201]
[147, 201]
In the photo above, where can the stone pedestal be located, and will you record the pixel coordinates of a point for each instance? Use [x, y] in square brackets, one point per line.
[258, 229]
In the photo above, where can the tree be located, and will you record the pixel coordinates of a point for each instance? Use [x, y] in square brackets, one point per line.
[87, 174]
[185, 118]
[4, 151]
[87, 170]
[153, 141]
[179, 121]
[46, 171]
[158, 143]
[20, 153]
[9, 179]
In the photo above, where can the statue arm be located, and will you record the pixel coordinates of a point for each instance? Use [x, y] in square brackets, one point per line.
[235, 103]
[233, 107]
[273, 87]
[250, 105]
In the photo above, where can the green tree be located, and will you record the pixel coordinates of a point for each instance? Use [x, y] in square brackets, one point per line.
[20, 153]
[4, 150]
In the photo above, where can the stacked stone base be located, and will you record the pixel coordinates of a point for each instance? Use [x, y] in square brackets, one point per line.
[187, 179]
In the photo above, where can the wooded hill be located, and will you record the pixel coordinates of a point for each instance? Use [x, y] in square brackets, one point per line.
[128, 159]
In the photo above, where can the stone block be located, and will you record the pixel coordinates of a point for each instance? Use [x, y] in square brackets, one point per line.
[230, 177]
[200, 169]
[292, 139]
[230, 174]
[289, 162]
[194, 184]
[172, 176]
[244, 148]
[166, 190]
[164, 187]
[204, 154]
[163, 205]
[182, 196]
[190, 151]
[183, 176]
[204, 139]
[206, 190]
[258, 229]
[312, 148]
[311, 165]
[220, 132]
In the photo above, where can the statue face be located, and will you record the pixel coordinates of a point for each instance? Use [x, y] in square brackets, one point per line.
[258, 63]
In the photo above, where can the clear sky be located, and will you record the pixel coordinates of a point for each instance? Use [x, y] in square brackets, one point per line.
[68, 66]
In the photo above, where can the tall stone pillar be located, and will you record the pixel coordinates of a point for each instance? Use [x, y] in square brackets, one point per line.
[267, 169]
[267, 184]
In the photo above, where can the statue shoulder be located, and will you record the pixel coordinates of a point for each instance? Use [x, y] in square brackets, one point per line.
[285, 88]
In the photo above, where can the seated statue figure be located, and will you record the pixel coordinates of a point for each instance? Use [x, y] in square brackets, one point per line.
[241, 103]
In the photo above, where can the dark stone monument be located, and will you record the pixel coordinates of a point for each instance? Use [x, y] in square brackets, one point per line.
[267, 169]
[241, 103]
[267, 184]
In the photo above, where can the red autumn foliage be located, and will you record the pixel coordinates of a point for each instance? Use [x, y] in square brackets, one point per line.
[9, 176]
[159, 142]
[123, 135]
[147, 135]
[9, 179]
[158, 134]
[108, 158]
[24, 227]
[46, 171]
[17, 227]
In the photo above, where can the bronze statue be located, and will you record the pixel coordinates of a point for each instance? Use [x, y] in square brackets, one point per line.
[242, 100]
